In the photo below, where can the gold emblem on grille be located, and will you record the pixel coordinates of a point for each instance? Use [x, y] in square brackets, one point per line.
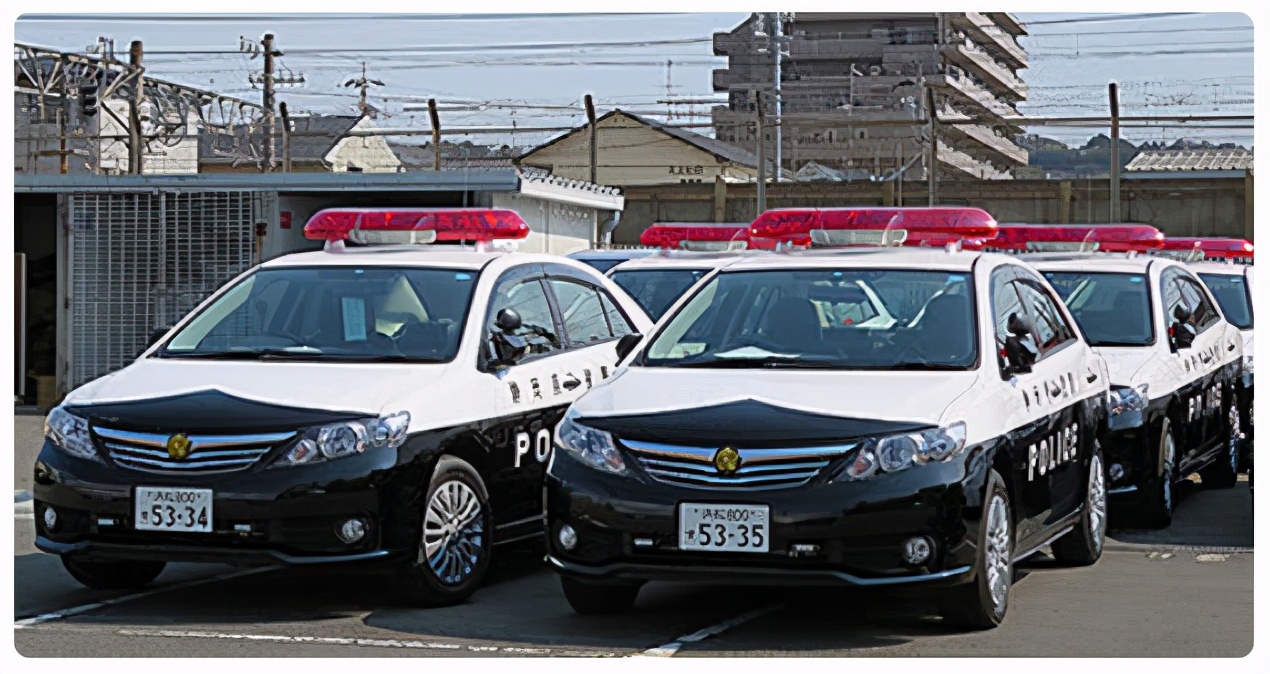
[178, 447]
[727, 460]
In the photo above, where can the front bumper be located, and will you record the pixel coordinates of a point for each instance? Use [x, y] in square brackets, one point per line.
[260, 516]
[627, 528]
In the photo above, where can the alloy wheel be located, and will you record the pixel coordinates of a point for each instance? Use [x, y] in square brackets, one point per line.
[1097, 502]
[998, 551]
[452, 532]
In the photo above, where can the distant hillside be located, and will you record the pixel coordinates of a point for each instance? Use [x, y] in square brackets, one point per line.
[1057, 160]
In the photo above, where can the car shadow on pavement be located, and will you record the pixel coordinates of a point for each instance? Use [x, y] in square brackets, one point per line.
[1202, 518]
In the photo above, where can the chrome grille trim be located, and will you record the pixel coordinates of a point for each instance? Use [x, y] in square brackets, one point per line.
[208, 453]
[780, 468]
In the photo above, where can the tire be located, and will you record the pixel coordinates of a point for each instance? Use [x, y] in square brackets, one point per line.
[1158, 500]
[451, 560]
[1223, 473]
[596, 599]
[1083, 546]
[982, 603]
[120, 575]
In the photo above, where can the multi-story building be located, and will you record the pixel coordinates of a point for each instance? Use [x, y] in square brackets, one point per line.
[853, 91]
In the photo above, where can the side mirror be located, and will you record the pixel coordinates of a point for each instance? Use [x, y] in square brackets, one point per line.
[508, 349]
[508, 321]
[1181, 335]
[1019, 357]
[627, 344]
[1019, 326]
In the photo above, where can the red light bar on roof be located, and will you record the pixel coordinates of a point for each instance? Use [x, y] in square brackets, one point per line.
[1209, 248]
[695, 236]
[1018, 237]
[874, 225]
[415, 225]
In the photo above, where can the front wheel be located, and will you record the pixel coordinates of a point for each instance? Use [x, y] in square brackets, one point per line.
[454, 543]
[981, 604]
[105, 575]
[596, 599]
[1157, 503]
[1083, 546]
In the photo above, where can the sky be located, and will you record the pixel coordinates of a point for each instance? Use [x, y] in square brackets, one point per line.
[533, 69]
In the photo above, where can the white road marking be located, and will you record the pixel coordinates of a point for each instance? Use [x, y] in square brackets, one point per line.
[357, 641]
[669, 649]
[23, 506]
[70, 612]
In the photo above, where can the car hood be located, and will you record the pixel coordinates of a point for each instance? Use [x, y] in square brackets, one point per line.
[885, 400]
[1129, 366]
[367, 389]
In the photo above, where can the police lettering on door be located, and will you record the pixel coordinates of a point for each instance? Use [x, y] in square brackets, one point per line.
[1052, 451]
[539, 445]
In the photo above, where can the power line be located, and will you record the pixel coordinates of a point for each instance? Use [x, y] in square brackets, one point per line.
[1108, 18]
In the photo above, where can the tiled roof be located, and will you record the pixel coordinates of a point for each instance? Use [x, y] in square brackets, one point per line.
[1191, 160]
[534, 175]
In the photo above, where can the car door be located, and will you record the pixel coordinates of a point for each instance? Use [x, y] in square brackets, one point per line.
[1043, 427]
[1194, 334]
[593, 323]
[1218, 346]
[528, 400]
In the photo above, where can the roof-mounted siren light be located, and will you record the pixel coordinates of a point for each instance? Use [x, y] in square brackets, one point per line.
[878, 226]
[387, 226]
[1117, 238]
[730, 237]
[1192, 249]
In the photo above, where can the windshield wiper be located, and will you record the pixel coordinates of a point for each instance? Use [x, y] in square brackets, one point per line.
[924, 366]
[244, 354]
[772, 361]
[383, 358]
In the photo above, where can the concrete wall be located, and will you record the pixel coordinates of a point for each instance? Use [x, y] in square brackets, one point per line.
[553, 227]
[1178, 206]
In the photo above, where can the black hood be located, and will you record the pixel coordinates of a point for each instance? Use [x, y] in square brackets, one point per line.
[205, 412]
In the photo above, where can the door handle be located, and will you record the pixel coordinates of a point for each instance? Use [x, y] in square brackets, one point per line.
[571, 383]
[1091, 377]
[1230, 347]
[1205, 358]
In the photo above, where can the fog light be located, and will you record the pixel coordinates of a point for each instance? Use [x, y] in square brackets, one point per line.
[568, 537]
[351, 531]
[50, 518]
[917, 550]
[1116, 472]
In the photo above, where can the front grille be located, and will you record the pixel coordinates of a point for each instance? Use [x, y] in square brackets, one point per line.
[759, 468]
[207, 453]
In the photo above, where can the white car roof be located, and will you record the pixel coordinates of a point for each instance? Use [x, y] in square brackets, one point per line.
[891, 257]
[1098, 262]
[1223, 268]
[681, 260]
[448, 257]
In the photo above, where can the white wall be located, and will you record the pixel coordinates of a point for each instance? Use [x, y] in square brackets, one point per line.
[177, 155]
[553, 227]
[369, 153]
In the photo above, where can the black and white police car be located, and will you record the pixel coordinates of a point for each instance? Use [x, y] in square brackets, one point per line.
[747, 441]
[1231, 285]
[604, 259]
[370, 404]
[1175, 366]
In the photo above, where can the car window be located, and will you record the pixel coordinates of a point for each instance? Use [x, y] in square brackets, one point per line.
[1205, 314]
[618, 323]
[585, 321]
[1051, 329]
[1007, 307]
[1232, 297]
[529, 299]
[1111, 308]
[656, 290]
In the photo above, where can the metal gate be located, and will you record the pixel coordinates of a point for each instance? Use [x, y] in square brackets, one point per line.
[139, 261]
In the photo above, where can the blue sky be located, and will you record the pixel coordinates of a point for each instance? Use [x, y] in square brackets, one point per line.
[1166, 64]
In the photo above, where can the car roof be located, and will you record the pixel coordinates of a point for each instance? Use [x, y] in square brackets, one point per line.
[1095, 262]
[1223, 268]
[442, 256]
[684, 260]
[609, 254]
[889, 257]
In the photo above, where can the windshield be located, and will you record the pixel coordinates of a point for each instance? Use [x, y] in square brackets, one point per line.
[333, 313]
[823, 318]
[1112, 309]
[601, 264]
[1232, 296]
[657, 289]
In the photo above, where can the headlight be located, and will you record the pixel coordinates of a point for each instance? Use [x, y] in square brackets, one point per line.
[346, 438]
[591, 446]
[893, 453]
[1125, 399]
[69, 433]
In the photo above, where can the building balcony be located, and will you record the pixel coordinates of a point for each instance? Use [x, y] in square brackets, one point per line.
[980, 28]
[721, 79]
[1008, 23]
[972, 99]
[997, 76]
[958, 164]
[978, 139]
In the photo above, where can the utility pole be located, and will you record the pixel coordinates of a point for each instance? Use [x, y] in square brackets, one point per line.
[286, 137]
[267, 43]
[1114, 95]
[778, 48]
[932, 169]
[590, 118]
[436, 134]
[135, 143]
[762, 155]
[364, 83]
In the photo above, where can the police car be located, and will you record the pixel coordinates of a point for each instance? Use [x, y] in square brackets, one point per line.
[746, 441]
[603, 260]
[375, 404]
[1175, 365]
[685, 252]
[1231, 285]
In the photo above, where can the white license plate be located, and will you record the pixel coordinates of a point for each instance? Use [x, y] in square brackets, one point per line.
[724, 527]
[173, 509]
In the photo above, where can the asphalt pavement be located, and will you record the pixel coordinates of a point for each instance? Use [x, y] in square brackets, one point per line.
[1185, 591]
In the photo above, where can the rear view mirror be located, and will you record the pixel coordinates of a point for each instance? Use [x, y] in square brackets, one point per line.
[627, 344]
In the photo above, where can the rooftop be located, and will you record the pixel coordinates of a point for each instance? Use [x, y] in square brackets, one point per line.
[1191, 160]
